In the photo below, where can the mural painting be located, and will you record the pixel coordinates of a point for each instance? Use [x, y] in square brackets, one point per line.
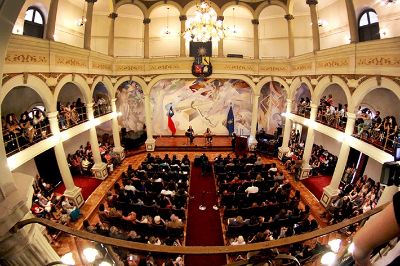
[130, 103]
[272, 104]
[201, 103]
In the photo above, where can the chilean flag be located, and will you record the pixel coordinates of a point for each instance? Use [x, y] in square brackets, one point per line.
[171, 124]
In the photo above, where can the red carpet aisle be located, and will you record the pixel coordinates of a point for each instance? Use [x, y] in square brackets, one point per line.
[316, 184]
[87, 184]
[203, 227]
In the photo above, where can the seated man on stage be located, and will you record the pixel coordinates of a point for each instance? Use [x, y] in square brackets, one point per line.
[208, 136]
[190, 134]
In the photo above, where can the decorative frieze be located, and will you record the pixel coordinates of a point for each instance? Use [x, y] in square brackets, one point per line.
[25, 58]
[302, 67]
[101, 66]
[157, 67]
[379, 60]
[274, 68]
[71, 61]
[333, 63]
[133, 68]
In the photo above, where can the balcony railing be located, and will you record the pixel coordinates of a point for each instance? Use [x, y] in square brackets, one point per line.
[14, 143]
[255, 252]
[101, 109]
[69, 119]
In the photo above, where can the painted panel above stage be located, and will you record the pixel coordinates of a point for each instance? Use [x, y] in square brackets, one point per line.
[201, 103]
[130, 103]
[272, 103]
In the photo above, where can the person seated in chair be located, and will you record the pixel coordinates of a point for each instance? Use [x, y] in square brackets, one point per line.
[208, 136]
[190, 134]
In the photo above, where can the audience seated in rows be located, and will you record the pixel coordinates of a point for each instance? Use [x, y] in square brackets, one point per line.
[148, 203]
[354, 199]
[81, 162]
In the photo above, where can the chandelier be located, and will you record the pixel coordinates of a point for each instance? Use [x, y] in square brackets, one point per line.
[82, 21]
[204, 26]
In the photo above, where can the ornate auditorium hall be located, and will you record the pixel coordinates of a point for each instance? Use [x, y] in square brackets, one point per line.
[206, 132]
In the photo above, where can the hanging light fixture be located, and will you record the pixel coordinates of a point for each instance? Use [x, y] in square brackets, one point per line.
[82, 21]
[234, 29]
[166, 31]
[205, 25]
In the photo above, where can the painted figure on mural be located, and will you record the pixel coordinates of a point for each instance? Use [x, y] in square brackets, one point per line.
[130, 103]
[272, 104]
[203, 103]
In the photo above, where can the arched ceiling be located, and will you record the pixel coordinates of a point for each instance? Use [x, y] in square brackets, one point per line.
[219, 3]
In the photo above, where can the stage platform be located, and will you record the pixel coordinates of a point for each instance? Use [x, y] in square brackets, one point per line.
[181, 143]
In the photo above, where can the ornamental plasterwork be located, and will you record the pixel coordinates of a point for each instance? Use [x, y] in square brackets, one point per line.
[25, 58]
[274, 68]
[393, 60]
[137, 68]
[302, 67]
[101, 66]
[71, 61]
[333, 63]
[158, 67]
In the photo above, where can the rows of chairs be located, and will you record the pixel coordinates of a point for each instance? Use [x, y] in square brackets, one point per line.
[144, 229]
[247, 230]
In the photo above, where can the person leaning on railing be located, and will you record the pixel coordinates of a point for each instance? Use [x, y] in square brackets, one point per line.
[384, 227]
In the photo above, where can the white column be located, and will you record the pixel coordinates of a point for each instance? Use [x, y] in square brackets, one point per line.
[351, 16]
[289, 19]
[71, 191]
[183, 19]
[51, 21]
[150, 142]
[221, 42]
[118, 149]
[314, 21]
[332, 190]
[146, 41]
[99, 168]
[286, 132]
[252, 142]
[28, 246]
[256, 22]
[88, 25]
[111, 34]
[305, 169]
[12, 201]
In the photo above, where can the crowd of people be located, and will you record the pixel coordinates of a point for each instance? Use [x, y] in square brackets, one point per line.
[322, 162]
[19, 133]
[55, 207]
[371, 127]
[81, 162]
[328, 113]
[354, 199]
[259, 202]
[147, 205]
[71, 114]
[101, 106]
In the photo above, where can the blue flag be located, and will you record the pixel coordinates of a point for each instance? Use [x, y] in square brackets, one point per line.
[230, 121]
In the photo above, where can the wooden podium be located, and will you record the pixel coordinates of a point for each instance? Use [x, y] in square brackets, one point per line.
[241, 145]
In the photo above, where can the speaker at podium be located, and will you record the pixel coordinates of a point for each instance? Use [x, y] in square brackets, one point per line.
[241, 145]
